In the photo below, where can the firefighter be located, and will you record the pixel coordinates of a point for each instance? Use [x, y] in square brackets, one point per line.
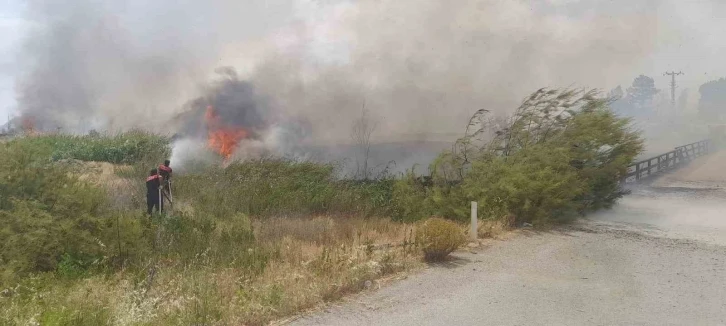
[153, 187]
[165, 170]
[165, 173]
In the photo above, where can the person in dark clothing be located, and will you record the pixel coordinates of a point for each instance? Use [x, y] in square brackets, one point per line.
[165, 173]
[153, 184]
[165, 170]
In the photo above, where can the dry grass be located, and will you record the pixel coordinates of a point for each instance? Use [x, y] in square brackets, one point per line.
[325, 230]
[492, 229]
[316, 260]
[105, 175]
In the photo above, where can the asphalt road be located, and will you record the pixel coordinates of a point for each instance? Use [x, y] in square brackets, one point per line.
[658, 258]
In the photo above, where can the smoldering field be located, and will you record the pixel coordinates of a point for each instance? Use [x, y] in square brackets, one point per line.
[305, 70]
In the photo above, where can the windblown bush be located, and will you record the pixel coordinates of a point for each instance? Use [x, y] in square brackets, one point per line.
[562, 153]
[536, 185]
[438, 238]
[415, 199]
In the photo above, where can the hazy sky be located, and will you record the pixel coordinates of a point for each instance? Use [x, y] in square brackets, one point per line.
[687, 35]
[11, 29]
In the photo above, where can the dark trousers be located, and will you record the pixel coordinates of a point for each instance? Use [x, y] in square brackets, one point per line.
[153, 202]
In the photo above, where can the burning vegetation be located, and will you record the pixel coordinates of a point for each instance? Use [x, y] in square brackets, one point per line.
[223, 139]
[228, 113]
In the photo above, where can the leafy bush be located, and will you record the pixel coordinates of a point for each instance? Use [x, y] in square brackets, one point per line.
[415, 199]
[44, 213]
[601, 147]
[410, 198]
[438, 238]
[562, 153]
[49, 220]
[33, 239]
[536, 185]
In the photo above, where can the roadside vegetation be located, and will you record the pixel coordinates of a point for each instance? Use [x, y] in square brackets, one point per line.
[262, 240]
[560, 155]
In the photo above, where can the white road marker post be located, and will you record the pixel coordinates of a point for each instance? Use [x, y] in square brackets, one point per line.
[474, 220]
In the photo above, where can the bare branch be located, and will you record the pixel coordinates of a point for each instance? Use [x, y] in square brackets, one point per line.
[361, 133]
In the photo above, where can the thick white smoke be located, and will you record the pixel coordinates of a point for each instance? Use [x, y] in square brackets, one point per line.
[420, 67]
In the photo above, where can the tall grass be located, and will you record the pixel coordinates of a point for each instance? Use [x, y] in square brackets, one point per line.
[279, 187]
[123, 148]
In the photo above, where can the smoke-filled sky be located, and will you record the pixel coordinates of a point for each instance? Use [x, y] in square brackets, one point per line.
[418, 66]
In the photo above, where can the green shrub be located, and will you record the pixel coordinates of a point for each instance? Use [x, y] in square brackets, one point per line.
[438, 238]
[32, 239]
[71, 267]
[127, 237]
[50, 221]
[23, 177]
[415, 198]
[409, 199]
[562, 153]
[602, 146]
[536, 185]
[44, 214]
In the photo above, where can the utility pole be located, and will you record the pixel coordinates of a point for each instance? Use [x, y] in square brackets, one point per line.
[673, 75]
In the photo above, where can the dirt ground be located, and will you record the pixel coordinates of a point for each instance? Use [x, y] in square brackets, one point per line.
[657, 258]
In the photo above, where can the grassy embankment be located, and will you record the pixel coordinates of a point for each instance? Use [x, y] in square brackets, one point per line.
[261, 240]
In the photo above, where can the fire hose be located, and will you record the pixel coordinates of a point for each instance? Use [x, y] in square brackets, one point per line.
[163, 194]
[168, 195]
[171, 198]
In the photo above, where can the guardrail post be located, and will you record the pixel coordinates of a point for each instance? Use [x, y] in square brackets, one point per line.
[637, 171]
[649, 171]
[660, 167]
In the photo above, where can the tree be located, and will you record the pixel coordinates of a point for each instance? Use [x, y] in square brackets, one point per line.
[641, 93]
[713, 99]
[361, 132]
[618, 103]
[637, 100]
[616, 94]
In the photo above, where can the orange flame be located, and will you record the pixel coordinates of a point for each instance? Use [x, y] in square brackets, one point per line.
[222, 139]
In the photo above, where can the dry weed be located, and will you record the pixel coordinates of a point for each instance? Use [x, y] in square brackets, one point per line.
[492, 228]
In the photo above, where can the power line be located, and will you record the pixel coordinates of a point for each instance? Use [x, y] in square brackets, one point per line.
[673, 85]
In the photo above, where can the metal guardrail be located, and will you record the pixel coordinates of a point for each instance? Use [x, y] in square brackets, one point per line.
[678, 157]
